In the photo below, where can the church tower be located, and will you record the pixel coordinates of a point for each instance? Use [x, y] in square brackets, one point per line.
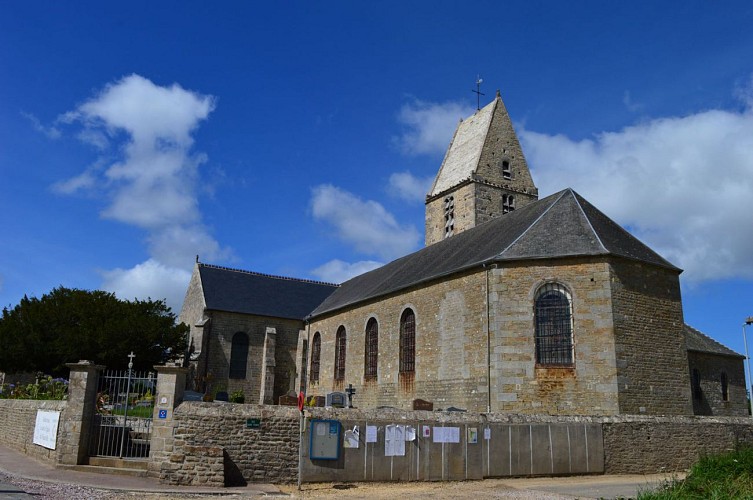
[484, 175]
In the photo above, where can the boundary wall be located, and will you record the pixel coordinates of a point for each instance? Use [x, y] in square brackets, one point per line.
[17, 420]
[228, 444]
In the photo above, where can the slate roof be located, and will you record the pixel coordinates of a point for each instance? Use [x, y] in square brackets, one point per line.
[697, 341]
[561, 225]
[233, 290]
[463, 155]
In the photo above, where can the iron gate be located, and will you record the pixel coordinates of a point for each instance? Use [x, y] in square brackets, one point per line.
[122, 424]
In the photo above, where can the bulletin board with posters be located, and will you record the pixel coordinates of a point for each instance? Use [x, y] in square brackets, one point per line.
[324, 442]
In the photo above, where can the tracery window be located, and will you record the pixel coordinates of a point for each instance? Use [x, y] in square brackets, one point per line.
[316, 352]
[371, 355]
[340, 341]
[449, 216]
[554, 326]
[238, 355]
[408, 342]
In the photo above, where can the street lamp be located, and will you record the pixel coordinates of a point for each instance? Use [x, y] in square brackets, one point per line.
[748, 321]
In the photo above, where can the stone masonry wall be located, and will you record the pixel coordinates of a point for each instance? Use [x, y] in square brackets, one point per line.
[17, 421]
[450, 352]
[711, 401]
[519, 385]
[213, 445]
[465, 213]
[225, 325]
[652, 360]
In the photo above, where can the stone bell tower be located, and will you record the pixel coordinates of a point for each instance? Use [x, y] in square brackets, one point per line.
[484, 175]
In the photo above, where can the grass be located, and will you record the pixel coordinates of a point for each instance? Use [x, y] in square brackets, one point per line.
[715, 477]
[136, 411]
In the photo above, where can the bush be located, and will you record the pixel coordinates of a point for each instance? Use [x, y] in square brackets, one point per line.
[46, 388]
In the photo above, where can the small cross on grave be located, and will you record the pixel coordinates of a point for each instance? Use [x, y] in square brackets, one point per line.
[130, 360]
[350, 391]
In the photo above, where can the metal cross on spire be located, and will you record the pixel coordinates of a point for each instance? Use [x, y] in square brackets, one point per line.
[478, 92]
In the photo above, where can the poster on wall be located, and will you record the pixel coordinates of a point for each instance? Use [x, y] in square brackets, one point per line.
[394, 441]
[46, 429]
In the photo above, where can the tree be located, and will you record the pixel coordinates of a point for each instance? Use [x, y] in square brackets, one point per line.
[67, 325]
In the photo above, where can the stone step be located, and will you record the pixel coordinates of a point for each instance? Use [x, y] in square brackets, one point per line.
[111, 465]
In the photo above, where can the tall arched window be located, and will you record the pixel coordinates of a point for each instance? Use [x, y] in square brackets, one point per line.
[238, 355]
[304, 358]
[725, 387]
[340, 341]
[316, 352]
[371, 355]
[408, 342]
[554, 326]
[697, 391]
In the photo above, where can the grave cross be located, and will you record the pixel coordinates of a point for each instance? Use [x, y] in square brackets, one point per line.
[130, 360]
[350, 391]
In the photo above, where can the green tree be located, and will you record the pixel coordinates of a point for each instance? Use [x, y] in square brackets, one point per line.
[67, 325]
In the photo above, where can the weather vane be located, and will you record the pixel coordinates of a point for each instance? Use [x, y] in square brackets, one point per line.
[478, 92]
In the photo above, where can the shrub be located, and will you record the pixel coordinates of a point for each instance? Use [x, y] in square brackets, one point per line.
[46, 388]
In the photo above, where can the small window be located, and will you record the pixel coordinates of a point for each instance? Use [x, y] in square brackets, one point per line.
[316, 352]
[725, 387]
[449, 216]
[340, 343]
[408, 342]
[371, 355]
[506, 172]
[508, 203]
[697, 392]
[554, 326]
[238, 355]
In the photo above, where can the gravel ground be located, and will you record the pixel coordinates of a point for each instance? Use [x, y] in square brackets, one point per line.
[490, 488]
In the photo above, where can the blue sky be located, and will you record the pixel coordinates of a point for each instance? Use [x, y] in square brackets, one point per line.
[298, 138]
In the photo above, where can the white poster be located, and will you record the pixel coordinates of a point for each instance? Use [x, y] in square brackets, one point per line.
[446, 434]
[351, 438]
[410, 433]
[371, 434]
[394, 441]
[487, 433]
[46, 429]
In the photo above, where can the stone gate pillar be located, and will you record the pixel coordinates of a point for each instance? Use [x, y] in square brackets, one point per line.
[171, 384]
[79, 412]
[268, 367]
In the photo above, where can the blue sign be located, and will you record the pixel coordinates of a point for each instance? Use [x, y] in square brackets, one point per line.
[163, 414]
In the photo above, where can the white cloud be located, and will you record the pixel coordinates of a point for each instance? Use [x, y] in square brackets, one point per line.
[151, 182]
[51, 132]
[149, 279]
[366, 225]
[682, 185]
[337, 271]
[429, 126]
[408, 187]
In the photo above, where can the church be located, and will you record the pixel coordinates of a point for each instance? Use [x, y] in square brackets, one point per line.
[515, 305]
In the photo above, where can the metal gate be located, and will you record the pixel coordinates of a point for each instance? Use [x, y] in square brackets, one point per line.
[122, 424]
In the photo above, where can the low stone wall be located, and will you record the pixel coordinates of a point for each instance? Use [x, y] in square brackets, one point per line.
[643, 445]
[218, 444]
[17, 420]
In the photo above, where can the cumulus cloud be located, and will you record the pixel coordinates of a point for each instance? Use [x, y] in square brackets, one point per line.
[682, 185]
[149, 174]
[150, 279]
[365, 225]
[408, 187]
[428, 127]
[338, 271]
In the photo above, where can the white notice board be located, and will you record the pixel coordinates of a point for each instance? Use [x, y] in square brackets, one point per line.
[46, 429]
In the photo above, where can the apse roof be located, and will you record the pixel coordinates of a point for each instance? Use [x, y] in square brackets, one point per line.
[697, 341]
[233, 290]
[561, 225]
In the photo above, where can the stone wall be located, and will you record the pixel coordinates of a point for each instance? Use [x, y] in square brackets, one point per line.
[216, 444]
[652, 360]
[17, 421]
[710, 399]
[213, 445]
[464, 197]
[450, 352]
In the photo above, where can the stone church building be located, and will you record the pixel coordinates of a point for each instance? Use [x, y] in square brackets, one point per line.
[514, 305]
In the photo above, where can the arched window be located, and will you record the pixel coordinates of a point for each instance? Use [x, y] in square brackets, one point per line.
[408, 342]
[725, 387]
[304, 358]
[372, 350]
[508, 203]
[506, 172]
[238, 355]
[697, 392]
[554, 326]
[316, 352]
[340, 341]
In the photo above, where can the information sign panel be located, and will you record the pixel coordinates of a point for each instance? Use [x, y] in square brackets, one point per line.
[324, 442]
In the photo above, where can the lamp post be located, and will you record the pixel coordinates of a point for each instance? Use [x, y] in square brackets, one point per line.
[748, 321]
